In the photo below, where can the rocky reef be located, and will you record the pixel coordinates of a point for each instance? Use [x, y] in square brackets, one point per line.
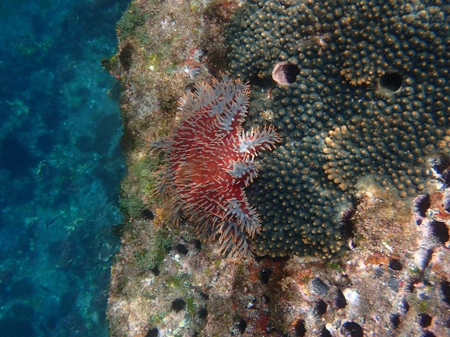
[353, 202]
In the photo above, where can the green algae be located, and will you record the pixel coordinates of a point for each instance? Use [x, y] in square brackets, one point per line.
[130, 21]
[191, 306]
[139, 186]
[179, 281]
[151, 258]
[333, 265]
[157, 318]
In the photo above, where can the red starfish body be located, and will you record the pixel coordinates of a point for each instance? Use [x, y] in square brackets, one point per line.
[211, 159]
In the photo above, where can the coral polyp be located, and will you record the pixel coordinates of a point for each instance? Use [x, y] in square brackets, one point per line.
[210, 161]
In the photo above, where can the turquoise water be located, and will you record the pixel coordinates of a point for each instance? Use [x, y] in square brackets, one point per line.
[60, 166]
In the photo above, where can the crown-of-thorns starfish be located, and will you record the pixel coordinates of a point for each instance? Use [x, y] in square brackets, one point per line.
[211, 159]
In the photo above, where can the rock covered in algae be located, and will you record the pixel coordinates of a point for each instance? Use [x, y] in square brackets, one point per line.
[394, 280]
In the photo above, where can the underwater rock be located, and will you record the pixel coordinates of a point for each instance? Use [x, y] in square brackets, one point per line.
[377, 286]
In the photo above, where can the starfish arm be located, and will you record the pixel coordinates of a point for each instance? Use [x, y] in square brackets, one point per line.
[255, 140]
[243, 171]
[244, 216]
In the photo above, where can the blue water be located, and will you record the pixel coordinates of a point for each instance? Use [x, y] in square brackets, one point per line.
[60, 166]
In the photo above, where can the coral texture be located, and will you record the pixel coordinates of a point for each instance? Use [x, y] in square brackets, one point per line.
[211, 159]
[363, 98]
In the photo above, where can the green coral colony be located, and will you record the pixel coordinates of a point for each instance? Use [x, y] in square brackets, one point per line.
[362, 92]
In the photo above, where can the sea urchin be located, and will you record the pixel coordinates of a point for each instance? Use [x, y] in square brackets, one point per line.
[211, 159]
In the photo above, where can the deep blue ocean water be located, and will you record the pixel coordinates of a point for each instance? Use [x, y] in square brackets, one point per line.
[60, 166]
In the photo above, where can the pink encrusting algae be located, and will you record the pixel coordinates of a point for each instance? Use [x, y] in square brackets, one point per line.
[211, 159]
